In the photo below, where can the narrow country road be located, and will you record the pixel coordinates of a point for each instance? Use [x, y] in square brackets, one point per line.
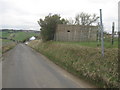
[22, 67]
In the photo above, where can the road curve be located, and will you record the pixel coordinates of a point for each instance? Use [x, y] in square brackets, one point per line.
[22, 67]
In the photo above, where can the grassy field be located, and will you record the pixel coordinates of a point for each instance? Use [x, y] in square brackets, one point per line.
[18, 36]
[24, 35]
[83, 60]
[92, 44]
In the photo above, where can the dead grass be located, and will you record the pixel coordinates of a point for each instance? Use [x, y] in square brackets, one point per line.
[7, 47]
[85, 62]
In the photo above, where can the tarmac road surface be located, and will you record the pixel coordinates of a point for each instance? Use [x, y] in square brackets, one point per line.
[22, 67]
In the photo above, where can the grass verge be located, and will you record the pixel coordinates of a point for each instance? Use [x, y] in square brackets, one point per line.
[8, 47]
[84, 62]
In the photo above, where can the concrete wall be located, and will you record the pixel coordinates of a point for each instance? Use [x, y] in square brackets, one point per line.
[75, 33]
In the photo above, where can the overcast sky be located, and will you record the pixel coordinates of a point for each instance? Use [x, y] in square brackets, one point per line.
[24, 14]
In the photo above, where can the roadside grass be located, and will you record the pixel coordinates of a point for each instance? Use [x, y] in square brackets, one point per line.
[6, 45]
[5, 41]
[83, 61]
[6, 48]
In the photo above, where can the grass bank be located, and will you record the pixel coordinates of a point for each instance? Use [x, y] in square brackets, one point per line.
[82, 61]
[6, 45]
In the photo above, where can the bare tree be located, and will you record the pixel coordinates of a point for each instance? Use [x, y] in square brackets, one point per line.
[70, 21]
[77, 19]
[85, 19]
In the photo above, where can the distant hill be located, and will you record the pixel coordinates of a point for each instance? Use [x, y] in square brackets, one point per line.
[14, 30]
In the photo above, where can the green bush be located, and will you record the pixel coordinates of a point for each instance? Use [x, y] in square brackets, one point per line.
[48, 26]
